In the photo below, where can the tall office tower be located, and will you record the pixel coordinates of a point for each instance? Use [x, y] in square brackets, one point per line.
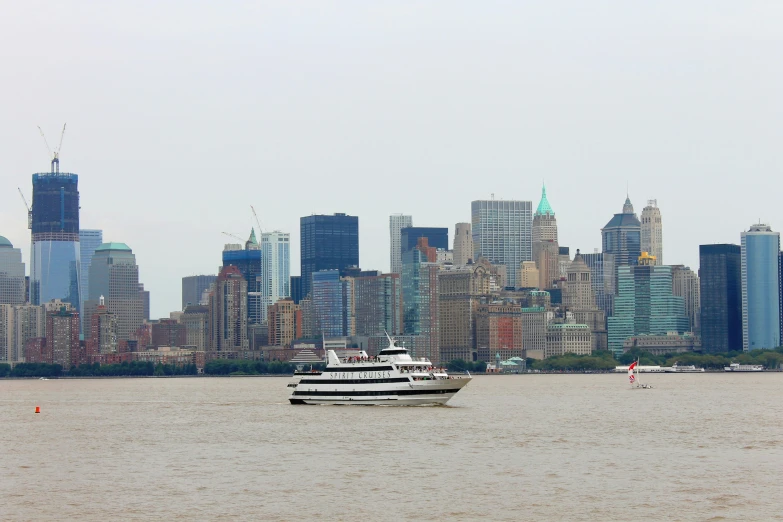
[720, 282]
[652, 231]
[420, 299]
[333, 304]
[285, 323]
[196, 319]
[12, 283]
[564, 260]
[250, 264]
[145, 302]
[545, 246]
[534, 321]
[461, 288]
[578, 293]
[579, 300]
[308, 318]
[685, 284]
[228, 311]
[89, 240]
[62, 335]
[602, 278]
[437, 237]
[54, 220]
[498, 331]
[622, 237]
[19, 324]
[760, 287]
[193, 287]
[378, 304]
[396, 223]
[296, 288]
[327, 243]
[645, 304]
[103, 330]
[463, 244]
[114, 275]
[502, 233]
[275, 269]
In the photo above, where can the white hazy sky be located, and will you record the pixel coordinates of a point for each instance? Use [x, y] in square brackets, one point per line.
[183, 114]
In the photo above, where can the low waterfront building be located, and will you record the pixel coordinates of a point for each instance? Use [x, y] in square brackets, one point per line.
[672, 342]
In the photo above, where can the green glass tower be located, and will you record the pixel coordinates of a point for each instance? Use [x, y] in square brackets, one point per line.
[645, 304]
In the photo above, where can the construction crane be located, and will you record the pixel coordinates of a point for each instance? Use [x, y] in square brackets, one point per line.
[29, 210]
[56, 154]
[234, 236]
[258, 222]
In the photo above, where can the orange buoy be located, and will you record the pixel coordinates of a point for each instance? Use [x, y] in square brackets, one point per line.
[37, 409]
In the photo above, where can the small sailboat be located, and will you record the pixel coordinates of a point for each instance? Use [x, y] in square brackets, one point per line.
[633, 376]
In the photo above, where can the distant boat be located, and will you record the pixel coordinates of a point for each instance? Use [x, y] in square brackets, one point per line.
[633, 377]
[736, 367]
[43, 379]
[683, 368]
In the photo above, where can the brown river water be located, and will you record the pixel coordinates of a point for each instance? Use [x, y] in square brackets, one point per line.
[518, 447]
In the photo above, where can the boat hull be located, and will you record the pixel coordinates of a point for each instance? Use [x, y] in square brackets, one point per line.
[434, 392]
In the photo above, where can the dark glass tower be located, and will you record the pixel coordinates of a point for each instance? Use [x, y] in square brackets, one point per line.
[248, 261]
[721, 297]
[436, 237]
[54, 220]
[622, 236]
[327, 243]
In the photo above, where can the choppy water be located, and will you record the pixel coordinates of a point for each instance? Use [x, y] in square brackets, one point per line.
[533, 447]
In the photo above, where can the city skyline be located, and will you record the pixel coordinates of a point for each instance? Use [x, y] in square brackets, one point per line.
[584, 114]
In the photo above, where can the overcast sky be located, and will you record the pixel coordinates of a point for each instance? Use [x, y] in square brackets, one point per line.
[183, 114]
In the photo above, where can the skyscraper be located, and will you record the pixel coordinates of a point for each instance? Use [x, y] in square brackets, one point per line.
[19, 324]
[396, 223]
[103, 330]
[645, 304]
[760, 287]
[250, 264]
[285, 323]
[502, 233]
[228, 311]
[720, 282]
[296, 288]
[546, 251]
[378, 304]
[544, 222]
[652, 231]
[603, 279]
[437, 237]
[12, 284]
[62, 335]
[55, 257]
[327, 243]
[622, 237]
[193, 287]
[275, 269]
[89, 240]
[420, 298]
[685, 284]
[114, 275]
[333, 304]
[463, 244]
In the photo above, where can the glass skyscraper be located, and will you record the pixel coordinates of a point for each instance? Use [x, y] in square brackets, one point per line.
[89, 240]
[275, 269]
[503, 234]
[333, 304]
[248, 261]
[55, 257]
[645, 305]
[760, 287]
[622, 236]
[12, 284]
[720, 284]
[193, 288]
[420, 301]
[437, 237]
[327, 243]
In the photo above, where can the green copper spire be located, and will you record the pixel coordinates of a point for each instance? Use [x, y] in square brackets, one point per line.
[252, 243]
[543, 206]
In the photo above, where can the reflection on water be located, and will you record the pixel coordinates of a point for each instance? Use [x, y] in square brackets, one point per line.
[535, 447]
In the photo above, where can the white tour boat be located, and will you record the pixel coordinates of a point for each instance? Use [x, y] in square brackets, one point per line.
[736, 367]
[393, 377]
[686, 368]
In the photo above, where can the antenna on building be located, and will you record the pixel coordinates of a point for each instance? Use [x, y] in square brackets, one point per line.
[56, 154]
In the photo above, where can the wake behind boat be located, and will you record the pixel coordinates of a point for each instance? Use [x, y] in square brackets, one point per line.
[393, 377]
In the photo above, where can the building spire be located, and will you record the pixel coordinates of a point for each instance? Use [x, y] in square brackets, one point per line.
[544, 208]
[628, 207]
